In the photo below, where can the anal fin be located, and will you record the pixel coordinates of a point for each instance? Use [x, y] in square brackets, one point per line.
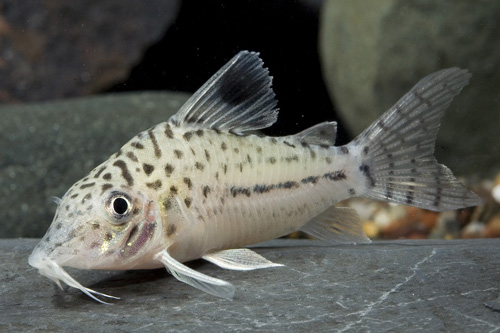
[337, 225]
[208, 284]
[239, 259]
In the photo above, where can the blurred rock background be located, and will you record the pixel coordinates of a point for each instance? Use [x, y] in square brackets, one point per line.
[331, 60]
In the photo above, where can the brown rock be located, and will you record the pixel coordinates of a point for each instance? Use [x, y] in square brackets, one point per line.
[54, 49]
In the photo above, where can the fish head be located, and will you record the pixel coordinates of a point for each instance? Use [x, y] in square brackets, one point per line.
[100, 226]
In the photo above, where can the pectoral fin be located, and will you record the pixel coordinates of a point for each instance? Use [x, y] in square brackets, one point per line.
[196, 279]
[239, 259]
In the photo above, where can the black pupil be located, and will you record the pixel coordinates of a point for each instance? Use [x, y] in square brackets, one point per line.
[120, 205]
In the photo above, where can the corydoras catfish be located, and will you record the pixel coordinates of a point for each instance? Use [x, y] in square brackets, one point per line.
[204, 185]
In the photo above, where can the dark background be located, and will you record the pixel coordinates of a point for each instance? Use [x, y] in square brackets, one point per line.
[206, 34]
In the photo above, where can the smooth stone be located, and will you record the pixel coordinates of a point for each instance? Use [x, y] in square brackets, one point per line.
[373, 52]
[406, 285]
[46, 147]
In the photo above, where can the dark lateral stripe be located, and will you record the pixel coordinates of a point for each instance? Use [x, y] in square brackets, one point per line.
[125, 173]
[155, 143]
[335, 176]
[235, 190]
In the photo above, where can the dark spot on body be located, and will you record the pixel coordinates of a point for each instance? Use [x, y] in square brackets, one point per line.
[249, 160]
[313, 153]
[58, 225]
[272, 160]
[167, 204]
[125, 173]
[352, 192]
[106, 187]
[274, 141]
[156, 185]
[173, 190]
[290, 159]
[223, 146]
[106, 176]
[98, 173]
[169, 168]
[240, 190]
[178, 153]
[290, 184]
[132, 156]
[74, 196]
[148, 168]
[328, 160]
[88, 196]
[336, 175]
[289, 144]
[199, 166]
[138, 145]
[206, 190]
[192, 151]
[171, 229]
[236, 150]
[344, 150]
[108, 236]
[366, 149]
[199, 132]
[259, 150]
[188, 201]
[207, 155]
[365, 169]
[87, 185]
[225, 168]
[311, 179]
[155, 143]
[168, 132]
[187, 136]
[188, 182]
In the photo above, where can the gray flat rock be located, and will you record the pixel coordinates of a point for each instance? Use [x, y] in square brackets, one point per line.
[46, 147]
[398, 286]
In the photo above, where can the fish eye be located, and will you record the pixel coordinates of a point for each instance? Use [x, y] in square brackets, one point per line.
[119, 206]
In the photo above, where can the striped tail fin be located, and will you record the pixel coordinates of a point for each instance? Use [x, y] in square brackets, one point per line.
[396, 151]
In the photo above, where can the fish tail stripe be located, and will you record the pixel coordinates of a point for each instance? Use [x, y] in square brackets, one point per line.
[396, 151]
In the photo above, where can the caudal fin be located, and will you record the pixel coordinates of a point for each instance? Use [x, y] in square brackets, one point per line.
[396, 151]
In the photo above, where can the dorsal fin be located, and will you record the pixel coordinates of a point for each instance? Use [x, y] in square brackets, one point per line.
[323, 133]
[237, 98]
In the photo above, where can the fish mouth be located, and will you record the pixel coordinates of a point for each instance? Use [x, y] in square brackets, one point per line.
[50, 269]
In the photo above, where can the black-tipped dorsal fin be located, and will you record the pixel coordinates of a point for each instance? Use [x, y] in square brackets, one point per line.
[323, 133]
[238, 98]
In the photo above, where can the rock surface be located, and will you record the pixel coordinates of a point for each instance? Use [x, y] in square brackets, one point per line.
[374, 52]
[383, 286]
[47, 147]
[59, 49]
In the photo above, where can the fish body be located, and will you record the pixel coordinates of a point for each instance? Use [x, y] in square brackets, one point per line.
[202, 185]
